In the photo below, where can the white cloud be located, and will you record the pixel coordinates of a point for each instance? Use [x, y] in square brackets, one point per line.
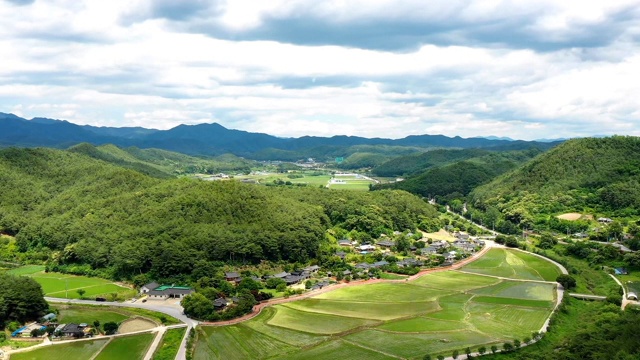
[80, 61]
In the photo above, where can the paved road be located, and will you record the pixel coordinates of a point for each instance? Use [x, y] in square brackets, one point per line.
[176, 312]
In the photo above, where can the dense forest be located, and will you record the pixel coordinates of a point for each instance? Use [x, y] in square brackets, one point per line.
[588, 175]
[85, 215]
[21, 299]
[456, 180]
[161, 163]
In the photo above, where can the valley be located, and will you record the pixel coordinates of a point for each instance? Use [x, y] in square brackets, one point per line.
[286, 260]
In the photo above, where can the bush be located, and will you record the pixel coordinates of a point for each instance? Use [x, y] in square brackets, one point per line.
[567, 281]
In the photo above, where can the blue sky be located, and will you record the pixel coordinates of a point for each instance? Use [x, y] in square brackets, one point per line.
[522, 69]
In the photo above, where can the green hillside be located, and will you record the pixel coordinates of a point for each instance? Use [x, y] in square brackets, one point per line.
[413, 163]
[98, 218]
[458, 179]
[162, 163]
[583, 175]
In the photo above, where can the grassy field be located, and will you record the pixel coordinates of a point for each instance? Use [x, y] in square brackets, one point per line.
[74, 350]
[89, 313]
[435, 314]
[81, 315]
[129, 347]
[27, 270]
[168, 347]
[66, 286]
[514, 264]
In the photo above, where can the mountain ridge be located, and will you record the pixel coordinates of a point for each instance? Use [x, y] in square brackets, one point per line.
[210, 139]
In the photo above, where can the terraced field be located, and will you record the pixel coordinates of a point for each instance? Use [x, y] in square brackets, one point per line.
[435, 314]
[514, 264]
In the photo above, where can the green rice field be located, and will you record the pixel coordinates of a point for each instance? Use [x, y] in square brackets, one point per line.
[66, 286]
[514, 264]
[128, 347]
[435, 314]
[132, 347]
[73, 350]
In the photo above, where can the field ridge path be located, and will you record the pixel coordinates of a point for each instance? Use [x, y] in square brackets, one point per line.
[156, 341]
[95, 355]
[374, 350]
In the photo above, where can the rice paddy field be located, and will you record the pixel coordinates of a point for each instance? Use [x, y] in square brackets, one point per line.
[66, 286]
[435, 314]
[129, 347]
[514, 264]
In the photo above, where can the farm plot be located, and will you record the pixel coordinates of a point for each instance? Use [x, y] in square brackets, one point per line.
[365, 310]
[513, 264]
[169, 346]
[314, 323]
[237, 342]
[435, 314]
[73, 350]
[385, 292]
[519, 290]
[130, 347]
[67, 286]
[453, 280]
[83, 315]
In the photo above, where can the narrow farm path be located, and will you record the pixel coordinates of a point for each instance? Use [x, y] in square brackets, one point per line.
[371, 349]
[155, 343]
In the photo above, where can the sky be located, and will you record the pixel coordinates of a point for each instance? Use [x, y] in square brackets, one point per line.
[523, 69]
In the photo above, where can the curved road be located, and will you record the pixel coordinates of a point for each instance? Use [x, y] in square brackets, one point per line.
[165, 309]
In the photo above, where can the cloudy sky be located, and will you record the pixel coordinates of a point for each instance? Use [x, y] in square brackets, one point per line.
[524, 69]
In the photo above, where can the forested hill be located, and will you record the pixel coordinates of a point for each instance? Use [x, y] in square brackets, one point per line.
[75, 211]
[601, 174]
[456, 180]
[162, 163]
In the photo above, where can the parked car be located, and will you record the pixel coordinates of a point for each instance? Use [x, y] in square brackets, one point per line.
[101, 299]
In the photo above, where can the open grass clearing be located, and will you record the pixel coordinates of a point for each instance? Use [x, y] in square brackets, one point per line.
[385, 292]
[236, 342]
[315, 323]
[455, 281]
[67, 351]
[365, 310]
[132, 347]
[513, 264]
[519, 290]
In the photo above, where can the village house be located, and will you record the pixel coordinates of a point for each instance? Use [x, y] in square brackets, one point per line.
[232, 276]
[344, 242]
[386, 243]
[220, 303]
[366, 247]
[155, 291]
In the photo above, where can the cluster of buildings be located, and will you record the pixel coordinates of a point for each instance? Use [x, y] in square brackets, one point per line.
[292, 278]
[162, 292]
[61, 330]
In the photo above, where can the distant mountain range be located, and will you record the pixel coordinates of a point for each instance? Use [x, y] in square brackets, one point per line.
[214, 139]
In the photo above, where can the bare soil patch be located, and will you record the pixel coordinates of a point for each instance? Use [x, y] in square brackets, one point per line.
[570, 216]
[136, 324]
